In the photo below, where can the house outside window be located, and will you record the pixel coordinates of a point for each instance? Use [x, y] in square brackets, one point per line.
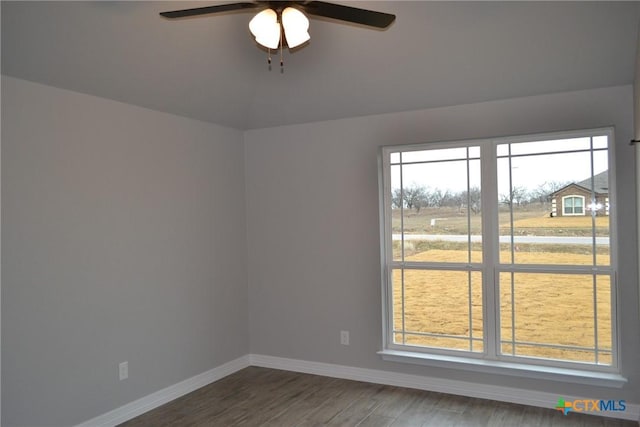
[594, 192]
[476, 265]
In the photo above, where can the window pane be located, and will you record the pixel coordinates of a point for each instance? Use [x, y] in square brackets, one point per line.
[546, 218]
[600, 142]
[435, 155]
[552, 316]
[604, 298]
[397, 206]
[502, 150]
[443, 342]
[440, 215]
[550, 146]
[599, 208]
[555, 353]
[397, 306]
[441, 308]
[568, 204]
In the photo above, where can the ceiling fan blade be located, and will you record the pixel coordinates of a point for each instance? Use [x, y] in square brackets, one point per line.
[349, 14]
[208, 9]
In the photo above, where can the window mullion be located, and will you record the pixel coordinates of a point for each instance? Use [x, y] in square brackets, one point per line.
[386, 251]
[490, 247]
[402, 283]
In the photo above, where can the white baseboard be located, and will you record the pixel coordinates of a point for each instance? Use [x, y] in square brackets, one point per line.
[152, 401]
[462, 388]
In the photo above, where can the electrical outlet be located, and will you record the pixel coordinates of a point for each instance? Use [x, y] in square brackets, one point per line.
[123, 370]
[344, 337]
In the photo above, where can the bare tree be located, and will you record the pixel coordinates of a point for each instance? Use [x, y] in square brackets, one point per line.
[474, 199]
[437, 197]
[396, 198]
[415, 196]
[542, 194]
[518, 195]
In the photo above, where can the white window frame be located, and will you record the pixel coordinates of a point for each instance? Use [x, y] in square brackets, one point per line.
[490, 360]
[573, 208]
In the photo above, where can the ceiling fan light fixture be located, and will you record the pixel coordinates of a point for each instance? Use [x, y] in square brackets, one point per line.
[270, 37]
[275, 27]
[296, 26]
[266, 29]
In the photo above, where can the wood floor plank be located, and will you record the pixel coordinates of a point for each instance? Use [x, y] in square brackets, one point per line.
[307, 402]
[453, 403]
[421, 407]
[355, 413]
[396, 400]
[260, 397]
[441, 417]
[612, 422]
[506, 415]
[376, 421]
[267, 401]
[538, 416]
[326, 411]
[477, 413]
[407, 422]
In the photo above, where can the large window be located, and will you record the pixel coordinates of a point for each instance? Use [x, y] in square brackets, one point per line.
[477, 264]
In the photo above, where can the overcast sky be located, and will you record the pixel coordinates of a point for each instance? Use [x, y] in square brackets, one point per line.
[530, 171]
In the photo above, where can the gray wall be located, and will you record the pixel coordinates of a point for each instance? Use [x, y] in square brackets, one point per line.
[124, 239]
[313, 239]
[636, 134]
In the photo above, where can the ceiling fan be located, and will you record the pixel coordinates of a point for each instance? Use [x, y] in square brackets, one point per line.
[283, 24]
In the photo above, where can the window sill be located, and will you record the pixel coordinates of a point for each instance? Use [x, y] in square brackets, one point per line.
[576, 376]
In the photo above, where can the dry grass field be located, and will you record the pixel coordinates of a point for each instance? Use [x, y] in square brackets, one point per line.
[534, 221]
[548, 309]
[561, 222]
[545, 309]
[558, 226]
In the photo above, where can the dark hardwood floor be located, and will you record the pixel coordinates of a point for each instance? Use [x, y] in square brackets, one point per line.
[267, 397]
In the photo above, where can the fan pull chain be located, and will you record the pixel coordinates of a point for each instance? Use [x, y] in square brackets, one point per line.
[269, 56]
[281, 56]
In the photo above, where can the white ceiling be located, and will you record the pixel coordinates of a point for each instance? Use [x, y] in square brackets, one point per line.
[209, 68]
